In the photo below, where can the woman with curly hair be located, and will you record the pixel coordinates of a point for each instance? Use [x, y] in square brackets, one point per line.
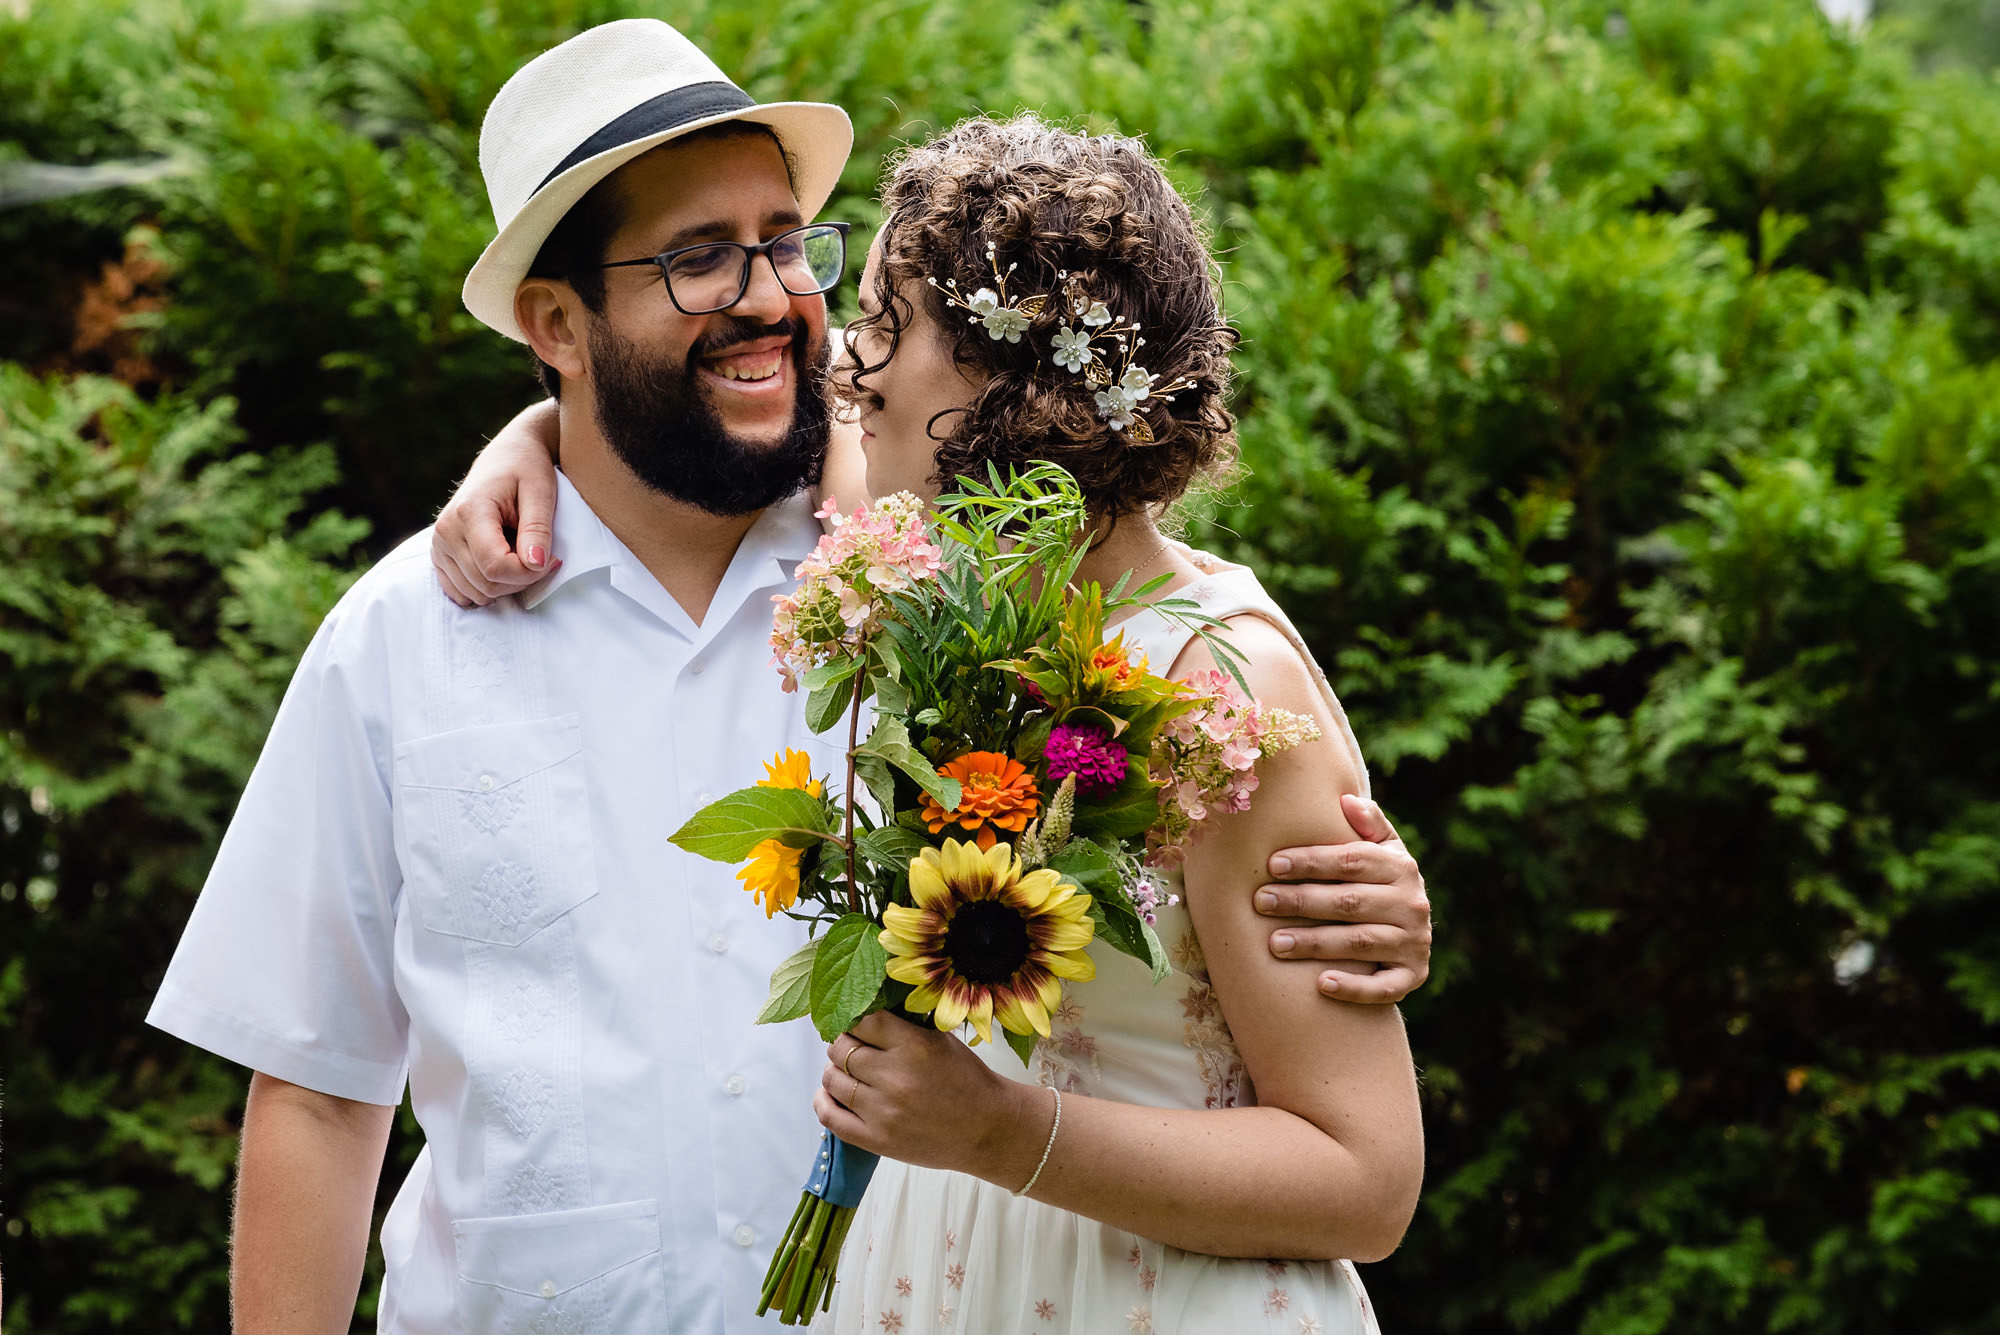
[1213, 1152]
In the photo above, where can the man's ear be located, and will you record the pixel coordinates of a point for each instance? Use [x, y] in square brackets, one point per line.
[550, 314]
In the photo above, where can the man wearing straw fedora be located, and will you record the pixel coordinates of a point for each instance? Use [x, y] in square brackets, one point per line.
[450, 867]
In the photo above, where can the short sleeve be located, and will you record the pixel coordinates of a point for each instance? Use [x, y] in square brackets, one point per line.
[288, 962]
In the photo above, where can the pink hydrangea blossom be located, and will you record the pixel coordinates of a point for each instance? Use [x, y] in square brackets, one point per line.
[1207, 760]
[877, 550]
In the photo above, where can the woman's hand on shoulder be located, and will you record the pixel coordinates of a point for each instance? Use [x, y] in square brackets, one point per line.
[512, 485]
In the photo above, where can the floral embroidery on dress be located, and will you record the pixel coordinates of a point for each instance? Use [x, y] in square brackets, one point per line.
[1222, 1071]
[903, 1286]
[892, 1321]
[1045, 1310]
[1148, 1278]
[945, 1314]
[954, 1275]
[1276, 1269]
[1140, 1320]
[1068, 1057]
[1276, 1302]
[1308, 1325]
[950, 1239]
[1135, 1257]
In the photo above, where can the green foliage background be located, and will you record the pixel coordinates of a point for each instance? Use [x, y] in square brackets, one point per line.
[1621, 420]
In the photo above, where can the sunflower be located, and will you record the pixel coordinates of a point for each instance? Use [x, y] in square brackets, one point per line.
[987, 940]
[772, 874]
[996, 793]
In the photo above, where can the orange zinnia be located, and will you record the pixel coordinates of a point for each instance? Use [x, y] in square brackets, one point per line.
[996, 793]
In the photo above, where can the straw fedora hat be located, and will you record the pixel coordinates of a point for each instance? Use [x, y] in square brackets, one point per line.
[576, 113]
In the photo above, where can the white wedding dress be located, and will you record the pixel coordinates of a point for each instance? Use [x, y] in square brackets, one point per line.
[937, 1252]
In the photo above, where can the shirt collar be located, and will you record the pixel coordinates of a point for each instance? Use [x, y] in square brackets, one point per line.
[766, 557]
[581, 542]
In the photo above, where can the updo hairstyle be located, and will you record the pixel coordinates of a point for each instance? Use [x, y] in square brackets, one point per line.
[1100, 208]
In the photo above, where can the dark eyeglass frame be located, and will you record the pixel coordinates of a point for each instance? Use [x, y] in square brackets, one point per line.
[750, 254]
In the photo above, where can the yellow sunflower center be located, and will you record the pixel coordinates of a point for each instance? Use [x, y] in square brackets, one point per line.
[986, 942]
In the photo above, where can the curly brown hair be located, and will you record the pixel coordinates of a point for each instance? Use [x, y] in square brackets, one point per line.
[1051, 201]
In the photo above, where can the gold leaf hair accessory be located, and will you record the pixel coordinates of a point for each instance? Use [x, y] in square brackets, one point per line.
[1099, 346]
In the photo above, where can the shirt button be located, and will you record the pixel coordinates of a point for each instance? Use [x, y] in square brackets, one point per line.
[745, 1235]
[697, 667]
[486, 783]
[548, 1288]
[736, 1084]
[718, 943]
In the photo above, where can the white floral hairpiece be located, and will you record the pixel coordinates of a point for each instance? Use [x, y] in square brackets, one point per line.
[1076, 349]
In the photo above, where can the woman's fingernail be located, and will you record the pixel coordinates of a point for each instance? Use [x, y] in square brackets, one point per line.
[536, 556]
[1330, 984]
[1281, 865]
[1267, 901]
[1282, 943]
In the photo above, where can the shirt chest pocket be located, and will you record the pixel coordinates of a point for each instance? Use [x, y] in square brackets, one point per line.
[494, 828]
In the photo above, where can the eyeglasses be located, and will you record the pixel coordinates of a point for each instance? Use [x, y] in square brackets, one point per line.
[714, 276]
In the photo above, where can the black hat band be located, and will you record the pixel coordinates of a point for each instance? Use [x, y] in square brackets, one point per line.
[693, 102]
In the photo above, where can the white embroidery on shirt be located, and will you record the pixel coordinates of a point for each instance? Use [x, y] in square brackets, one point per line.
[554, 1320]
[525, 1098]
[490, 813]
[524, 1010]
[481, 665]
[534, 1190]
[507, 893]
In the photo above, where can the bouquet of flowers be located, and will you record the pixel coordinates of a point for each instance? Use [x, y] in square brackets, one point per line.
[1019, 775]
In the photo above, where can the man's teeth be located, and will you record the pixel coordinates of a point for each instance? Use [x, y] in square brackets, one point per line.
[750, 368]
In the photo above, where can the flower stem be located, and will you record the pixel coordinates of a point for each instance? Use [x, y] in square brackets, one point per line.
[847, 795]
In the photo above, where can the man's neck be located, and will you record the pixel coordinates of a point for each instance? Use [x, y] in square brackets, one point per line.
[687, 549]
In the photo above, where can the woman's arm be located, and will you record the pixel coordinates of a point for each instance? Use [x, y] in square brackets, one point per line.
[1329, 1163]
[512, 485]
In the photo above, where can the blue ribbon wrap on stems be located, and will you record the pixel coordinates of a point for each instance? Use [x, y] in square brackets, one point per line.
[800, 1280]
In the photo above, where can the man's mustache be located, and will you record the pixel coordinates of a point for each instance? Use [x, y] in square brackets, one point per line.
[733, 331]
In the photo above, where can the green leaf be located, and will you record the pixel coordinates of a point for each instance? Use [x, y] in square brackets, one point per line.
[791, 986]
[847, 972]
[1126, 932]
[892, 845]
[727, 829]
[891, 741]
[1127, 812]
[826, 706]
[873, 771]
[1023, 1044]
[830, 673]
[1089, 866]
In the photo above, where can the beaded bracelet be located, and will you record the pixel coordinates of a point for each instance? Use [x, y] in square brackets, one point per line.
[1054, 1127]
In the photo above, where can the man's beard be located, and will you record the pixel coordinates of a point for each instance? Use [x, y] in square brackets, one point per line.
[658, 421]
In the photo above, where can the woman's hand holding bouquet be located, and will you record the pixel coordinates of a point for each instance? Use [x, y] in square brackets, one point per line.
[1021, 774]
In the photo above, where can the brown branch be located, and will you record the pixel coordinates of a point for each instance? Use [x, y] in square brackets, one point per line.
[847, 793]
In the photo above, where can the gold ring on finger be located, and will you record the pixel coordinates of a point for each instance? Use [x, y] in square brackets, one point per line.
[853, 1094]
[846, 1068]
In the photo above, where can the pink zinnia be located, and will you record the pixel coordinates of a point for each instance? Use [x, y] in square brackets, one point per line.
[1089, 753]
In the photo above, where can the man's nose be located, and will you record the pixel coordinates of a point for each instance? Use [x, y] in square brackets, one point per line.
[765, 298]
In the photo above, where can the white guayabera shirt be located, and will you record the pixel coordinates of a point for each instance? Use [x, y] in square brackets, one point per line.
[451, 865]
